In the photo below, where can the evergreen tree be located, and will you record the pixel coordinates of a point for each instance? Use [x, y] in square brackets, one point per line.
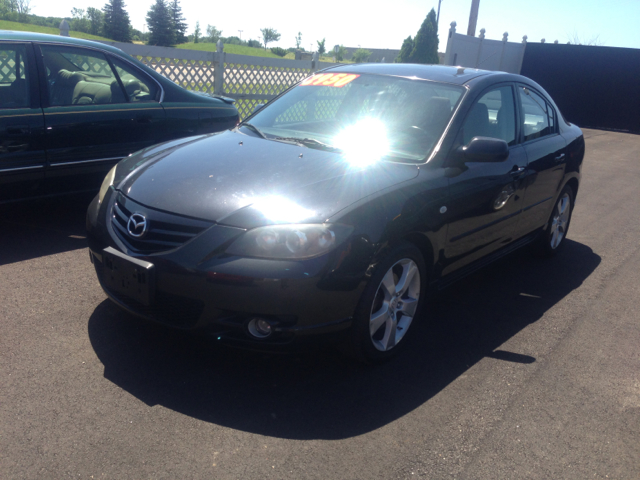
[405, 52]
[116, 24]
[196, 34]
[179, 24]
[425, 48]
[161, 31]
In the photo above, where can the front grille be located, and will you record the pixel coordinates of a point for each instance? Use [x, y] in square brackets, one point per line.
[165, 231]
[169, 309]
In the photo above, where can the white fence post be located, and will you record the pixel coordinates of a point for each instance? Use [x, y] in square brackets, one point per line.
[505, 39]
[481, 37]
[64, 28]
[447, 55]
[218, 71]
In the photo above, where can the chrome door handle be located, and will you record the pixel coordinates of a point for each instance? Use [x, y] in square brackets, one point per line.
[518, 171]
[560, 157]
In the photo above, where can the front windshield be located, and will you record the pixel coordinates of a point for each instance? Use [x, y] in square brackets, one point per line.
[369, 116]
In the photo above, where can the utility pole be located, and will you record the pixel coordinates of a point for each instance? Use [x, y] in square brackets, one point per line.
[473, 18]
[240, 33]
[438, 16]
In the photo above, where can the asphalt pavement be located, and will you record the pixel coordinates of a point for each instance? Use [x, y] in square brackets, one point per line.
[529, 369]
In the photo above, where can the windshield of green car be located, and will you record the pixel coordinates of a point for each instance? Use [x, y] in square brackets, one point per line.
[366, 117]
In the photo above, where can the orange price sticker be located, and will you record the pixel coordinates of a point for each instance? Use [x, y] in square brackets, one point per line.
[329, 79]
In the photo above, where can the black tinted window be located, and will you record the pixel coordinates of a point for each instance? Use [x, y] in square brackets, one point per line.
[14, 77]
[493, 115]
[538, 119]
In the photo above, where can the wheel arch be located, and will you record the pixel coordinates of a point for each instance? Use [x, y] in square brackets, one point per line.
[573, 184]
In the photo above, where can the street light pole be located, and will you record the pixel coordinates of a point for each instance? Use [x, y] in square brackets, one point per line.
[473, 18]
[240, 33]
[438, 16]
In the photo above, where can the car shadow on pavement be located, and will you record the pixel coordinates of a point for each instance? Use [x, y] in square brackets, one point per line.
[43, 227]
[322, 394]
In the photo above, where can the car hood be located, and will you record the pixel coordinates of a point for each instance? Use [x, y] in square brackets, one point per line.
[240, 180]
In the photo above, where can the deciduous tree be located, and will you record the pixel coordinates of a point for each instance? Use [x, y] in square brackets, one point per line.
[269, 35]
[80, 20]
[340, 52]
[96, 19]
[321, 47]
[213, 34]
[361, 55]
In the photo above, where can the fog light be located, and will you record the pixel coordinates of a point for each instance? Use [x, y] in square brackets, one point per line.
[259, 328]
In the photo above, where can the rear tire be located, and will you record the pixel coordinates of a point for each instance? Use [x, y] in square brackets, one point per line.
[389, 304]
[552, 239]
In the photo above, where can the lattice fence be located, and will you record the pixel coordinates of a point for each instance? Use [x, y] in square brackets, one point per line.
[191, 74]
[252, 84]
[8, 66]
[248, 80]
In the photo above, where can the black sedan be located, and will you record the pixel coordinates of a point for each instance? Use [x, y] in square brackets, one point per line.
[337, 206]
[70, 109]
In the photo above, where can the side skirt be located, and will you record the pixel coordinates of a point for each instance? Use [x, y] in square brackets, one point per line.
[452, 278]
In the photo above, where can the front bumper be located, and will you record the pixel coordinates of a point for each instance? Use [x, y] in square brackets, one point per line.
[198, 286]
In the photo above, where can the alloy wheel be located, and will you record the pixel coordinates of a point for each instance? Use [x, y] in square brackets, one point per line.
[560, 220]
[394, 305]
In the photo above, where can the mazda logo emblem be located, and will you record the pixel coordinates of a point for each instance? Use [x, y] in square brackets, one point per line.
[137, 225]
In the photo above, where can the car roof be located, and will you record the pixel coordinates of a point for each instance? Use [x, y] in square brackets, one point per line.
[46, 38]
[439, 73]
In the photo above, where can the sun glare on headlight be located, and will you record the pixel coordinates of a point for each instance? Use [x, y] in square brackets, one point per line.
[279, 209]
[363, 143]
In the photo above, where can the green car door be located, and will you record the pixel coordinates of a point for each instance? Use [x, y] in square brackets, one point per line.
[98, 108]
[22, 154]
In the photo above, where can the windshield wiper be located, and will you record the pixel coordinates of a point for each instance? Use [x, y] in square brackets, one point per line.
[255, 129]
[309, 142]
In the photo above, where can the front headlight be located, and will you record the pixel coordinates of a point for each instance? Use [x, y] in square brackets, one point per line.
[290, 241]
[106, 183]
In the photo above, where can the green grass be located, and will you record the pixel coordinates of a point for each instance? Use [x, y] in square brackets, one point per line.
[237, 49]
[27, 27]
[241, 50]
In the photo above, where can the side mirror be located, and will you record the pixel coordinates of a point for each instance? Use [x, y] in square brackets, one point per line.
[257, 107]
[484, 149]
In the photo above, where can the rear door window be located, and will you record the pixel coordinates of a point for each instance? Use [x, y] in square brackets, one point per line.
[14, 77]
[78, 76]
[138, 87]
[538, 118]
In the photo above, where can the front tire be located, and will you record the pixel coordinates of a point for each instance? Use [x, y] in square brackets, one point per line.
[388, 306]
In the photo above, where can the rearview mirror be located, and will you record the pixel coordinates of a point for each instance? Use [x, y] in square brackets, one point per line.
[484, 149]
[257, 107]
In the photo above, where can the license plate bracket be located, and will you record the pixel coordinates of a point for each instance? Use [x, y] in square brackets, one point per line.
[129, 276]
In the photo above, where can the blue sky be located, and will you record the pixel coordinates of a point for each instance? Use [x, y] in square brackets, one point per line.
[384, 24]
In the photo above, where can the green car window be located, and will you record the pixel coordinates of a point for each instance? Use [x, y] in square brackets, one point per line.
[14, 77]
[78, 76]
[137, 86]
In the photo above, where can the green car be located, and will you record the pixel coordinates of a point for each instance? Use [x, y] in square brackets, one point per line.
[70, 109]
